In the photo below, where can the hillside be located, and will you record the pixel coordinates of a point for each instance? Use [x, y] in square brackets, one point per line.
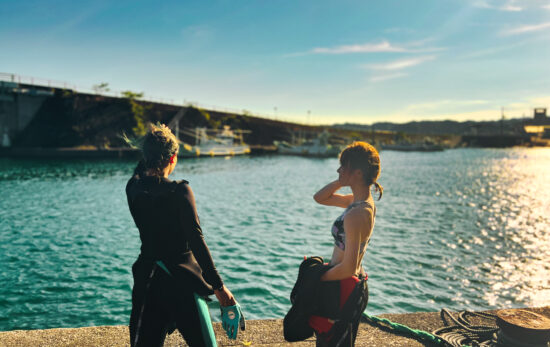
[444, 127]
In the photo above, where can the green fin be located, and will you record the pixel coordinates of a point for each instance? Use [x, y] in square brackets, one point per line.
[206, 322]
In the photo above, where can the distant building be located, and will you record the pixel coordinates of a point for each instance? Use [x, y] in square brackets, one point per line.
[540, 114]
[539, 125]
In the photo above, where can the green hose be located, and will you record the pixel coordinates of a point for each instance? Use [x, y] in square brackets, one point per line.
[419, 334]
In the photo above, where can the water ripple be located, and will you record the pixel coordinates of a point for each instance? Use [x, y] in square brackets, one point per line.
[465, 229]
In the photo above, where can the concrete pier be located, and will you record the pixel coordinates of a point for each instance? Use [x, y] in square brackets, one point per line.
[258, 333]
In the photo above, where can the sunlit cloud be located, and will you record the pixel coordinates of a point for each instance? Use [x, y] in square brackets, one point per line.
[527, 105]
[527, 29]
[381, 78]
[399, 64]
[475, 109]
[381, 47]
[442, 105]
[494, 50]
[509, 6]
[477, 115]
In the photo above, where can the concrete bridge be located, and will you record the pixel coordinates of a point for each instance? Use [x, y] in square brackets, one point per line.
[18, 104]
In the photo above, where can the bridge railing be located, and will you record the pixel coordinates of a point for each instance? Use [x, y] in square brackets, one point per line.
[43, 82]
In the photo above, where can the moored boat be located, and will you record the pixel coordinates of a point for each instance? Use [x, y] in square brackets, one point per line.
[226, 142]
[317, 147]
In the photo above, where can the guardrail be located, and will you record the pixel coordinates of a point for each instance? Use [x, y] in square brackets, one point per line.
[42, 82]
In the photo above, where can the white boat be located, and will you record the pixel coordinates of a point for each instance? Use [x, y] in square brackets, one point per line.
[318, 147]
[226, 142]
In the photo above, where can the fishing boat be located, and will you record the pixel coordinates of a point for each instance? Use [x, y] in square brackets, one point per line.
[224, 142]
[317, 147]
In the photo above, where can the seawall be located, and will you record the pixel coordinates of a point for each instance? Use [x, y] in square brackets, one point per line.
[258, 333]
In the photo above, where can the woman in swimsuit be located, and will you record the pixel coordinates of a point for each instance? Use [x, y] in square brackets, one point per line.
[359, 169]
[175, 265]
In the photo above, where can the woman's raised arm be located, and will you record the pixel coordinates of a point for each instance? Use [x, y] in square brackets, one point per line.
[326, 196]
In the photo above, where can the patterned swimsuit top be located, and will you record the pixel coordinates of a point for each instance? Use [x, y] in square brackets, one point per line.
[338, 228]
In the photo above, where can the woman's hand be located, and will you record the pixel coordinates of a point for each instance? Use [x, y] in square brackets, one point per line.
[225, 297]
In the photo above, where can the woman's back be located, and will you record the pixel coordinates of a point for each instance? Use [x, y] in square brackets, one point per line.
[156, 205]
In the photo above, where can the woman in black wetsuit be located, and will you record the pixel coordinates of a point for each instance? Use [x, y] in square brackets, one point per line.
[174, 263]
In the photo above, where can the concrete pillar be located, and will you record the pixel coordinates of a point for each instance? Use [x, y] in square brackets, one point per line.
[6, 142]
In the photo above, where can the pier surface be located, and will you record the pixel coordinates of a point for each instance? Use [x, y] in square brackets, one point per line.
[258, 333]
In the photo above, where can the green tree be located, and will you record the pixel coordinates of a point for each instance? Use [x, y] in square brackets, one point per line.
[138, 110]
[101, 88]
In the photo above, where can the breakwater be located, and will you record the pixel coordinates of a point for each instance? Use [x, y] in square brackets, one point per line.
[257, 333]
[53, 117]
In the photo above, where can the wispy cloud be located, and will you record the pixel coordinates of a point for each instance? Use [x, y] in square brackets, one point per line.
[383, 46]
[381, 78]
[527, 104]
[197, 32]
[399, 64]
[400, 30]
[440, 105]
[509, 6]
[526, 29]
[475, 109]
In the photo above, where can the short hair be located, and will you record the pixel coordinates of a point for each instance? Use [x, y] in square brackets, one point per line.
[159, 145]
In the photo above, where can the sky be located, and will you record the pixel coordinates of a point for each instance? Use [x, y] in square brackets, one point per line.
[317, 61]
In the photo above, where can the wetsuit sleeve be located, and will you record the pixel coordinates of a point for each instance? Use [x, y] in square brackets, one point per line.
[193, 233]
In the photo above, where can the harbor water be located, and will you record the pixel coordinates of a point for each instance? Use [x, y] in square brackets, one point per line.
[462, 229]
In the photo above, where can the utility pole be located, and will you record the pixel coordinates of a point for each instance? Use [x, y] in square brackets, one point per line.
[502, 121]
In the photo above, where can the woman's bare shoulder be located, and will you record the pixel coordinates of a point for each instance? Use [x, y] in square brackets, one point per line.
[359, 215]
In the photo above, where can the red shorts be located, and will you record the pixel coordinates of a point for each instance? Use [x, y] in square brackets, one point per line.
[323, 324]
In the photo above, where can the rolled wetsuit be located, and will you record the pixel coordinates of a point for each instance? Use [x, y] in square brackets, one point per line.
[169, 228]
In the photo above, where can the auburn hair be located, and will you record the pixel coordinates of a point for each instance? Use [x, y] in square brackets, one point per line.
[363, 156]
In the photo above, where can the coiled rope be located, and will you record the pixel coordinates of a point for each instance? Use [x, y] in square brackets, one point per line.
[465, 333]
[460, 335]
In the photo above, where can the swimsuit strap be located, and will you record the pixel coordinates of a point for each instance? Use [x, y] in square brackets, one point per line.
[357, 203]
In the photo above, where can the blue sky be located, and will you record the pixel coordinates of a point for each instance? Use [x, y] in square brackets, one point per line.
[343, 61]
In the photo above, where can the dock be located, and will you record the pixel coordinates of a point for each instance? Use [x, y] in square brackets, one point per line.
[69, 153]
[96, 153]
[265, 333]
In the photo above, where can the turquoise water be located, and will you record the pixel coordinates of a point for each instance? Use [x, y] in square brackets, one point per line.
[464, 229]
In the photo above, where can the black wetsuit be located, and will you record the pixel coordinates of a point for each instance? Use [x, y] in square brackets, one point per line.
[165, 214]
[313, 297]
